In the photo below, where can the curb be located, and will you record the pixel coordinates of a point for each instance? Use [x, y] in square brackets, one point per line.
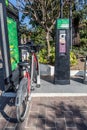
[49, 70]
[59, 94]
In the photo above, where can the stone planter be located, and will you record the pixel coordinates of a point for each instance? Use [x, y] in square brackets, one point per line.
[46, 69]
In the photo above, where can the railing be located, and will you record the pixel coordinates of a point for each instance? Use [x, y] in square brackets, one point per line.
[85, 71]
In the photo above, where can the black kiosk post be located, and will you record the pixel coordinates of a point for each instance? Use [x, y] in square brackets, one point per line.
[9, 42]
[62, 61]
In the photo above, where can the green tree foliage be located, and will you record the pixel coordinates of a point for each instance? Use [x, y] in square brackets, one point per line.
[43, 13]
[80, 25]
[80, 21]
[24, 32]
[38, 36]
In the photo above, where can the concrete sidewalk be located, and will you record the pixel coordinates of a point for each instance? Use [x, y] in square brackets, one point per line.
[47, 86]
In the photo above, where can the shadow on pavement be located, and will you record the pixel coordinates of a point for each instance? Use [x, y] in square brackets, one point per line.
[1, 79]
[61, 116]
[77, 79]
[7, 109]
[48, 78]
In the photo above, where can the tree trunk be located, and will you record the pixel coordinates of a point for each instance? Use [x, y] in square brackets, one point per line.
[48, 42]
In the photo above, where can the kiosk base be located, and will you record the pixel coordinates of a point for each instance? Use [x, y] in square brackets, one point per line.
[85, 81]
[61, 82]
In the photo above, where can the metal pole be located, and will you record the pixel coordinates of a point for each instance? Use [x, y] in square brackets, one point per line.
[70, 16]
[61, 8]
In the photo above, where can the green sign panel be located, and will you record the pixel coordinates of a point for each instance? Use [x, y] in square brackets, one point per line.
[13, 42]
[6, 1]
[62, 23]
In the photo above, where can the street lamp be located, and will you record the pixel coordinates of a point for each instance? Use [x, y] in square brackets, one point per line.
[70, 17]
[61, 8]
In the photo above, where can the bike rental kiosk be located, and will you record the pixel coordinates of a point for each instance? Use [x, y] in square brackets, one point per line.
[62, 55]
[9, 42]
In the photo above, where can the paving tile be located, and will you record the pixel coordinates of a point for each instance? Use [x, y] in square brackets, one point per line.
[84, 114]
[50, 115]
[50, 108]
[35, 99]
[12, 121]
[40, 128]
[7, 112]
[70, 122]
[64, 107]
[68, 114]
[34, 106]
[42, 111]
[69, 119]
[42, 115]
[83, 107]
[50, 123]
[76, 112]
[3, 122]
[10, 125]
[60, 124]
[9, 129]
[59, 113]
[50, 128]
[81, 125]
[22, 125]
[72, 128]
[1, 114]
[30, 128]
[45, 101]
[42, 106]
[78, 120]
[32, 120]
[40, 124]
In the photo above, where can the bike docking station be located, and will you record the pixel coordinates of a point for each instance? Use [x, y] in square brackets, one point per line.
[62, 52]
[9, 20]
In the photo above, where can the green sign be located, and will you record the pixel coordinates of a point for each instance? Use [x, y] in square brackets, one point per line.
[6, 1]
[13, 42]
[62, 23]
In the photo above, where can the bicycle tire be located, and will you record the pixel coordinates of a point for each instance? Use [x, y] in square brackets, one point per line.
[22, 95]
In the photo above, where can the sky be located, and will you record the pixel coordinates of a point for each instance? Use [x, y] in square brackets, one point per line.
[26, 19]
[13, 2]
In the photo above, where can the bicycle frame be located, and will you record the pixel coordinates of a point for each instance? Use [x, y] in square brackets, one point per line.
[28, 76]
[35, 60]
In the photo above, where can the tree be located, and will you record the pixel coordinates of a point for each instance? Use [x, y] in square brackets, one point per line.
[38, 35]
[79, 21]
[24, 33]
[44, 13]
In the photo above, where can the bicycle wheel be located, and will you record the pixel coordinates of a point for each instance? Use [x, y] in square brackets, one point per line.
[22, 103]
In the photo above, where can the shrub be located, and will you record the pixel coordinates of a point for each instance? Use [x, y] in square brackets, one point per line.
[52, 56]
[51, 60]
[73, 59]
[83, 42]
[43, 58]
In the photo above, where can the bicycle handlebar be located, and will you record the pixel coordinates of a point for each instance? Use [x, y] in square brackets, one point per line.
[30, 47]
[23, 46]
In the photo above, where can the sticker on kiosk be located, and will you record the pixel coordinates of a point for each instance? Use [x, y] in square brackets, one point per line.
[62, 44]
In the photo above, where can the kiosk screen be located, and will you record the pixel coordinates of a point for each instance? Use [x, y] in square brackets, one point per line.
[13, 42]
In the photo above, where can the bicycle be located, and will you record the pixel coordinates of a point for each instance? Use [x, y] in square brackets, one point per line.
[31, 76]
